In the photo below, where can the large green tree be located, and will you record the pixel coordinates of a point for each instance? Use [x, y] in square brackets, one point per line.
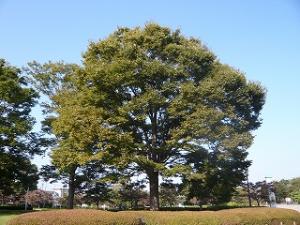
[17, 141]
[81, 135]
[172, 96]
[50, 79]
[151, 99]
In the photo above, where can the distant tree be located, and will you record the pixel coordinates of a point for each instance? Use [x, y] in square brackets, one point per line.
[95, 185]
[169, 194]
[287, 188]
[97, 193]
[39, 198]
[294, 184]
[132, 192]
[17, 141]
[87, 182]
[216, 174]
[260, 192]
[295, 195]
[240, 196]
[52, 174]
[281, 189]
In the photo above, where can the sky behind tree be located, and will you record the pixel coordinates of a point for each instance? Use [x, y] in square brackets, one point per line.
[260, 38]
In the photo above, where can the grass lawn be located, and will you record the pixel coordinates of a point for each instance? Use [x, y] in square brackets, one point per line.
[6, 215]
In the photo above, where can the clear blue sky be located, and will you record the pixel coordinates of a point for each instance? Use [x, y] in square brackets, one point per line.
[261, 38]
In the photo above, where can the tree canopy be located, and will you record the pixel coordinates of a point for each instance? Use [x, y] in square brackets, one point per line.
[17, 141]
[174, 99]
[156, 102]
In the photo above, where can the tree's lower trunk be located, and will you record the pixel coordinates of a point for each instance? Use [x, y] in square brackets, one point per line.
[154, 194]
[200, 204]
[132, 204]
[249, 194]
[249, 201]
[71, 191]
[136, 205]
[258, 203]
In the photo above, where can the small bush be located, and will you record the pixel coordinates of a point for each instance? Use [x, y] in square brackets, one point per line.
[246, 216]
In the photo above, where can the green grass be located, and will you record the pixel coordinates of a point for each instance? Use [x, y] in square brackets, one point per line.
[6, 215]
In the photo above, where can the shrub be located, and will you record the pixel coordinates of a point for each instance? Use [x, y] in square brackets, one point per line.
[246, 216]
[198, 208]
[14, 207]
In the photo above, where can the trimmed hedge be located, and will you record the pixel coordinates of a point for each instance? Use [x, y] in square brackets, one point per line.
[14, 207]
[198, 208]
[185, 208]
[245, 216]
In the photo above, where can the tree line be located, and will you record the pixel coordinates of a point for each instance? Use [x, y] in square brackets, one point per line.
[146, 105]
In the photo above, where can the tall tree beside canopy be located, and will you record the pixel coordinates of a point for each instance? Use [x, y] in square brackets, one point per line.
[17, 141]
[172, 96]
[50, 79]
[81, 135]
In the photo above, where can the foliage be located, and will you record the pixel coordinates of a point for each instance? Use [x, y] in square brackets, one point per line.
[282, 190]
[97, 193]
[295, 195]
[216, 175]
[294, 189]
[17, 141]
[294, 184]
[39, 198]
[155, 102]
[287, 188]
[128, 194]
[89, 183]
[92, 184]
[259, 191]
[81, 135]
[171, 98]
[259, 216]
[169, 194]
[240, 197]
[50, 79]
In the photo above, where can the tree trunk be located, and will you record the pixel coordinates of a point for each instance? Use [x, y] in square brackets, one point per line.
[71, 191]
[249, 194]
[136, 205]
[258, 203]
[152, 173]
[154, 194]
[200, 204]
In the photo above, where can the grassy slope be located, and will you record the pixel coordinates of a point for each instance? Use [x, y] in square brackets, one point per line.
[257, 216]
